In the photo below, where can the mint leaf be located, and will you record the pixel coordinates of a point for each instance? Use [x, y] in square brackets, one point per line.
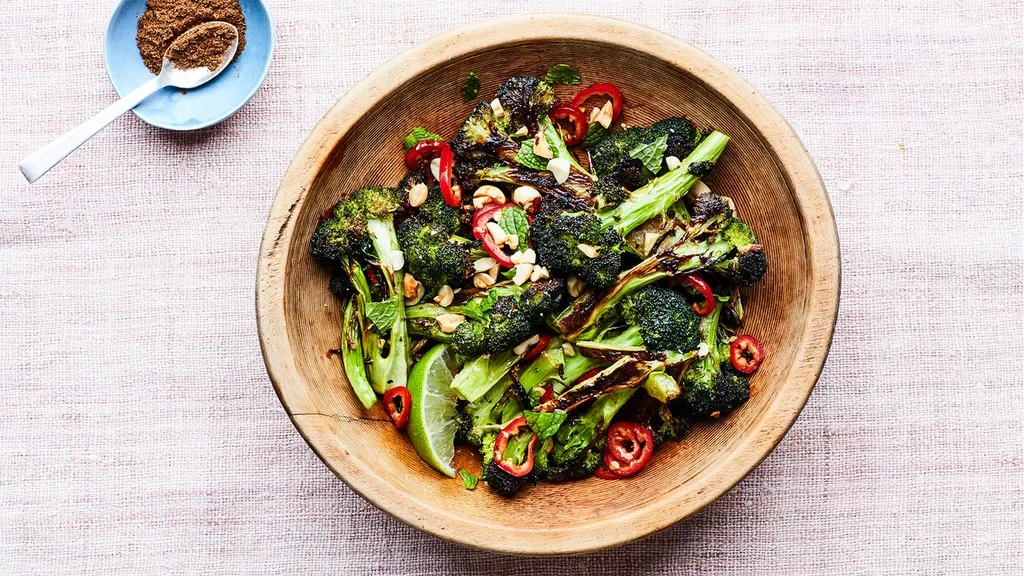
[545, 424]
[562, 74]
[417, 135]
[468, 480]
[527, 158]
[595, 133]
[471, 87]
[383, 314]
[513, 222]
[652, 154]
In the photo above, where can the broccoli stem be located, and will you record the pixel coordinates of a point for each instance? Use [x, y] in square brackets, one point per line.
[542, 368]
[352, 354]
[658, 195]
[482, 373]
[389, 359]
[578, 365]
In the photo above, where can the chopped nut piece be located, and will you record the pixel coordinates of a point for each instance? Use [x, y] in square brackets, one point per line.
[530, 256]
[494, 271]
[523, 131]
[449, 322]
[539, 273]
[513, 241]
[588, 250]
[409, 286]
[445, 295]
[575, 286]
[541, 147]
[559, 168]
[484, 264]
[525, 195]
[568, 350]
[517, 258]
[593, 114]
[418, 195]
[497, 233]
[605, 117]
[487, 194]
[702, 349]
[482, 280]
[523, 346]
[671, 162]
[698, 188]
[523, 272]
[649, 239]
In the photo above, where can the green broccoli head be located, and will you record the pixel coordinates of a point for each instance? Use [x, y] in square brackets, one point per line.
[701, 168]
[748, 264]
[582, 466]
[557, 235]
[614, 149]
[709, 205]
[434, 209]
[432, 255]
[508, 326]
[468, 339]
[608, 191]
[682, 136]
[342, 234]
[482, 133]
[542, 298]
[713, 391]
[665, 318]
[669, 422]
[526, 99]
[376, 202]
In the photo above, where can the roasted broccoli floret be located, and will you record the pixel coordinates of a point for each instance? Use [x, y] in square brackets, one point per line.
[664, 317]
[708, 205]
[682, 136]
[614, 149]
[578, 434]
[501, 482]
[433, 255]
[700, 168]
[558, 235]
[526, 99]
[748, 264]
[482, 133]
[434, 209]
[608, 192]
[710, 387]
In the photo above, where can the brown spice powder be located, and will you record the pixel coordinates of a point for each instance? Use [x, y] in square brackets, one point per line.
[165, 20]
[202, 46]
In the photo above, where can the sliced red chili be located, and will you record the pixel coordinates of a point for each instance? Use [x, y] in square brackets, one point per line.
[501, 443]
[480, 232]
[547, 395]
[698, 284]
[537, 348]
[629, 448]
[423, 152]
[746, 354]
[569, 114]
[452, 194]
[607, 90]
[398, 403]
[604, 473]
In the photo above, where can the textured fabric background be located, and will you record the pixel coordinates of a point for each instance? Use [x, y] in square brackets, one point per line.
[140, 435]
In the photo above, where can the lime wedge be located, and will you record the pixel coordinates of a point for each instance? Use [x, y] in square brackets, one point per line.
[432, 417]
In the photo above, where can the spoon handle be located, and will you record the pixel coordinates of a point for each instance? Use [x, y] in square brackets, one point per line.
[37, 163]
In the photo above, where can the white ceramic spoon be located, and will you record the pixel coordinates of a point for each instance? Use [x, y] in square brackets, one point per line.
[36, 164]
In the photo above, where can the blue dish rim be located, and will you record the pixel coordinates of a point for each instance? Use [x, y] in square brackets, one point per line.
[208, 123]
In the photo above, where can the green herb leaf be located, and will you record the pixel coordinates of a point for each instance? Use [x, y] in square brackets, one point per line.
[513, 221]
[545, 424]
[383, 314]
[562, 74]
[471, 87]
[468, 480]
[595, 133]
[417, 135]
[651, 155]
[526, 157]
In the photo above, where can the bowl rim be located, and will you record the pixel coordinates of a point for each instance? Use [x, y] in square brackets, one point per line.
[816, 216]
[213, 121]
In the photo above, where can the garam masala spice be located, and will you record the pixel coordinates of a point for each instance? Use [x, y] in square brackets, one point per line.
[202, 46]
[165, 20]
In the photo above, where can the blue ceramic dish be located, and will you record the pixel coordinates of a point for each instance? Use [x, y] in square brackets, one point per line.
[203, 106]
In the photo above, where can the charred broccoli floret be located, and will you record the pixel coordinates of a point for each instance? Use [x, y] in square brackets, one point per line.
[501, 482]
[682, 136]
[433, 255]
[710, 388]
[571, 445]
[526, 99]
[614, 149]
[557, 237]
[481, 133]
[665, 318]
[434, 209]
[708, 205]
[608, 192]
[700, 168]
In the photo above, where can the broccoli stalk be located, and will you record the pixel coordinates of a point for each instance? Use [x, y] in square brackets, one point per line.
[482, 374]
[352, 358]
[657, 196]
[481, 420]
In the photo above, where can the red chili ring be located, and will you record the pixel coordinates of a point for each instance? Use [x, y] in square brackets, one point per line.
[538, 348]
[702, 287]
[398, 403]
[568, 113]
[607, 90]
[424, 151]
[746, 354]
[629, 448]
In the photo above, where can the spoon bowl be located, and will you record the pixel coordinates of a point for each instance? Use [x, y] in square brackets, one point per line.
[172, 75]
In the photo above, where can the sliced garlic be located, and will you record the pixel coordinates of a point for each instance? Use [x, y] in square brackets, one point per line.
[568, 350]
[523, 272]
[605, 117]
[445, 295]
[482, 280]
[418, 195]
[484, 264]
[449, 322]
[435, 168]
[497, 233]
[499, 111]
[525, 195]
[671, 162]
[588, 250]
[541, 147]
[575, 286]
[559, 168]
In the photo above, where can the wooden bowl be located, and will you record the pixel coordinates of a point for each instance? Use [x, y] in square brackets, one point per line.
[765, 169]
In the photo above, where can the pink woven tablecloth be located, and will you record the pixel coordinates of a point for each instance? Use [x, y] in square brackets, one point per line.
[139, 433]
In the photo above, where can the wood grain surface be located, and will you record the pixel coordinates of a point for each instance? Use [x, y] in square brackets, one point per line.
[765, 169]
